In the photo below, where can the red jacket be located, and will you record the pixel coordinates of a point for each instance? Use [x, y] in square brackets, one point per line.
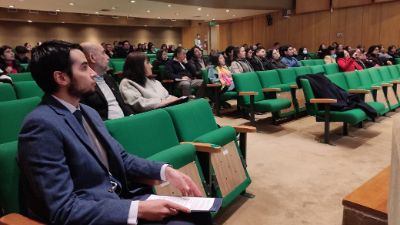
[348, 64]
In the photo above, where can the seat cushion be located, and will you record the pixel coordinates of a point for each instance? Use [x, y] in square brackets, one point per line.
[177, 156]
[220, 136]
[378, 106]
[9, 173]
[353, 116]
[272, 105]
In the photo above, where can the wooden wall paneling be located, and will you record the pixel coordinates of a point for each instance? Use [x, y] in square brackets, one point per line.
[259, 24]
[349, 3]
[295, 36]
[308, 30]
[322, 23]
[306, 6]
[248, 34]
[225, 34]
[389, 24]
[371, 25]
[269, 33]
[281, 32]
[381, 1]
[237, 32]
[353, 29]
[189, 33]
[338, 25]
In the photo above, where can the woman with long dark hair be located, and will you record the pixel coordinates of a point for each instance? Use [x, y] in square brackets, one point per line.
[240, 64]
[8, 63]
[139, 89]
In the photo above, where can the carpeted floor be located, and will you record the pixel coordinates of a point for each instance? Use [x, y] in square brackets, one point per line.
[298, 180]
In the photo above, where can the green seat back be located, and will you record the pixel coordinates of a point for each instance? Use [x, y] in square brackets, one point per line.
[385, 73]
[12, 114]
[365, 78]
[313, 55]
[317, 69]
[353, 80]
[339, 79]
[308, 94]
[204, 75]
[394, 72]
[331, 68]
[287, 76]
[318, 62]
[248, 82]
[27, 89]
[192, 119]
[7, 92]
[375, 75]
[161, 72]
[24, 66]
[118, 66]
[269, 78]
[144, 134]
[302, 70]
[9, 173]
[398, 67]
[27, 76]
[308, 62]
[397, 60]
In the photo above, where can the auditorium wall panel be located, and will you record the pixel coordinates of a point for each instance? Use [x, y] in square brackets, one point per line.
[366, 25]
[17, 33]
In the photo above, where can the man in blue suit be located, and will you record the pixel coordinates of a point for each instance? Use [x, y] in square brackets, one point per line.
[72, 170]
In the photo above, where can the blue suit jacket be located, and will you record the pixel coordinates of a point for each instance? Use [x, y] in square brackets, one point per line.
[63, 180]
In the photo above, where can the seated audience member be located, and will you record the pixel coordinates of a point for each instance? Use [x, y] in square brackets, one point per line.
[151, 49]
[239, 63]
[334, 45]
[303, 54]
[161, 59]
[171, 49]
[329, 55]
[72, 170]
[124, 51]
[392, 51]
[249, 54]
[177, 69]
[321, 51]
[384, 56]
[220, 73]
[276, 46]
[373, 56]
[196, 63]
[346, 63]
[258, 62]
[362, 60]
[288, 58]
[164, 47]
[21, 54]
[138, 89]
[228, 54]
[274, 60]
[109, 50]
[106, 99]
[8, 63]
[340, 48]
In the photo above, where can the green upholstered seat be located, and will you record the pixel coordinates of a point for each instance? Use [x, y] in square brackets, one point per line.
[340, 80]
[9, 173]
[250, 82]
[312, 62]
[385, 74]
[117, 66]
[317, 69]
[12, 114]
[7, 92]
[302, 70]
[24, 66]
[353, 81]
[26, 76]
[331, 68]
[353, 116]
[375, 76]
[287, 76]
[397, 61]
[194, 121]
[27, 89]
[394, 72]
[271, 79]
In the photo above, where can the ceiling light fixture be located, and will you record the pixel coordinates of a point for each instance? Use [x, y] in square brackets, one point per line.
[71, 4]
[113, 8]
[148, 11]
[97, 12]
[159, 17]
[173, 20]
[213, 19]
[11, 6]
[227, 11]
[145, 25]
[58, 10]
[169, 5]
[208, 15]
[62, 22]
[199, 9]
[133, 1]
[30, 21]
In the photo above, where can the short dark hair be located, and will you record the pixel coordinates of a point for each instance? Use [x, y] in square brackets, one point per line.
[229, 49]
[4, 48]
[159, 54]
[49, 57]
[190, 53]
[178, 50]
[134, 67]
[214, 58]
[21, 49]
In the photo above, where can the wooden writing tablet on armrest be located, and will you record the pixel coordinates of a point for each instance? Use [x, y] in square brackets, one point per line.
[214, 85]
[294, 86]
[248, 93]
[204, 147]
[17, 219]
[271, 90]
[323, 100]
[359, 91]
[245, 129]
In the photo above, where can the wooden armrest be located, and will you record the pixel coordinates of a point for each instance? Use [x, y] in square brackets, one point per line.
[214, 85]
[376, 87]
[17, 219]
[167, 81]
[359, 91]
[248, 93]
[204, 147]
[149, 182]
[294, 86]
[323, 100]
[395, 82]
[245, 129]
[271, 89]
[386, 85]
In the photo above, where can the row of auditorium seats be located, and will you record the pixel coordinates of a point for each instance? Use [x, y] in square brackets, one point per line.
[211, 155]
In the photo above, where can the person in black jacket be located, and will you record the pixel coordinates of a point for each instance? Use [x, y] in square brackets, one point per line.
[274, 60]
[196, 63]
[177, 69]
[259, 62]
[106, 99]
[124, 51]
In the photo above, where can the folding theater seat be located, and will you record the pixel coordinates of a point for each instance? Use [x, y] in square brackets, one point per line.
[388, 92]
[26, 76]
[252, 98]
[194, 122]
[302, 70]
[387, 77]
[27, 89]
[395, 74]
[331, 68]
[12, 114]
[152, 135]
[7, 92]
[9, 187]
[317, 69]
[353, 116]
